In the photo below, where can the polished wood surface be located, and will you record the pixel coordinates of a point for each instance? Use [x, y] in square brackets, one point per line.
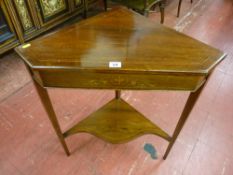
[148, 56]
[125, 36]
[117, 80]
[117, 122]
[152, 56]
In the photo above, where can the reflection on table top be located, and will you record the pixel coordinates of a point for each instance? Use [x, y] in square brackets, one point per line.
[124, 36]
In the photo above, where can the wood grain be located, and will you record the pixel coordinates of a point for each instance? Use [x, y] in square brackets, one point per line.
[152, 57]
[125, 36]
[117, 122]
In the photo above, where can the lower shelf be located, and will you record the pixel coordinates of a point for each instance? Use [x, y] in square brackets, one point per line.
[117, 122]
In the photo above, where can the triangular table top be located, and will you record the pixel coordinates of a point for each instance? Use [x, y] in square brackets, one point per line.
[124, 36]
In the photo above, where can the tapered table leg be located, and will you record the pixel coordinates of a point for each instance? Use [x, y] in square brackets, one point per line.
[117, 94]
[51, 114]
[186, 111]
[43, 94]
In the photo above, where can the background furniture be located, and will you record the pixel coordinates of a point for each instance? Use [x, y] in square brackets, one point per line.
[22, 20]
[142, 6]
[179, 6]
[86, 63]
[8, 38]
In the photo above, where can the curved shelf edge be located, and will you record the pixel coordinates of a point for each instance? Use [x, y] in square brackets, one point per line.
[119, 141]
[117, 122]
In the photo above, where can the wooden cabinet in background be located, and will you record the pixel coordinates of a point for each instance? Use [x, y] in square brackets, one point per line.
[29, 18]
[8, 38]
[78, 4]
[25, 21]
[90, 3]
[50, 11]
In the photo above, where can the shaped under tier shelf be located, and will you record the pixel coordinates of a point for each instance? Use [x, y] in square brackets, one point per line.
[117, 122]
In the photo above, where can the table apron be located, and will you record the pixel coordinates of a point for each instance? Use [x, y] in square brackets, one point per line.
[100, 80]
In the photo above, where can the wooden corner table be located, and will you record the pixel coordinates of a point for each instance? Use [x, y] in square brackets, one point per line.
[119, 50]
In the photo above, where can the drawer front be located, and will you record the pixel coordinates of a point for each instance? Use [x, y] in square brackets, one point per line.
[93, 80]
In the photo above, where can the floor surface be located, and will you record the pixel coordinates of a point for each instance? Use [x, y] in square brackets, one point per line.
[29, 145]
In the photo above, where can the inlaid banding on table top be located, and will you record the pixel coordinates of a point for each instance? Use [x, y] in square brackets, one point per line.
[124, 36]
[117, 122]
